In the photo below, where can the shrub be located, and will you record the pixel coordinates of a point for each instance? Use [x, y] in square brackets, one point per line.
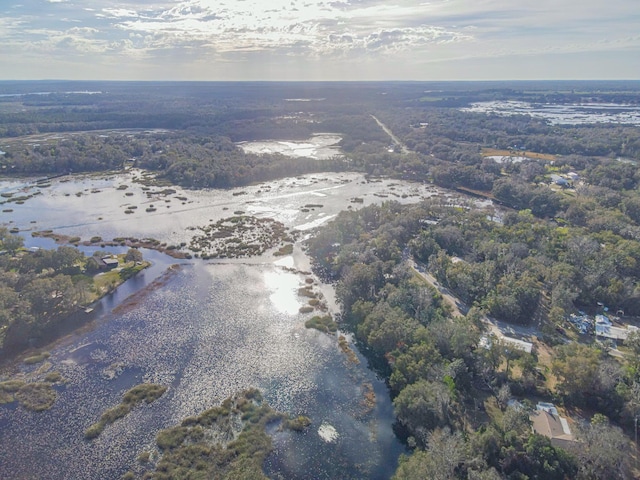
[36, 396]
[324, 324]
[94, 431]
[171, 438]
[11, 386]
[53, 377]
[298, 424]
[147, 392]
[38, 358]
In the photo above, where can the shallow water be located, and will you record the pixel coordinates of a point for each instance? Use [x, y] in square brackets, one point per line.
[210, 330]
[94, 206]
[321, 146]
[563, 114]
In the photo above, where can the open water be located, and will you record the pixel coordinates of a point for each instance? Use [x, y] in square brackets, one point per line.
[207, 330]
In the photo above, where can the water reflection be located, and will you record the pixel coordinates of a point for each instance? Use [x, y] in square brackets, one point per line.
[284, 286]
[206, 331]
[211, 330]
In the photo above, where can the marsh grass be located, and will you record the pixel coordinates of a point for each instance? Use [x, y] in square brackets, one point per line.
[323, 323]
[145, 392]
[6, 397]
[284, 250]
[239, 236]
[38, 358]
[298, 424]
[228, 441]
[344, 346]
[306, 292]
[53, 377]
[144, 457]
[36, 396]
[12, 386]
[7, 390]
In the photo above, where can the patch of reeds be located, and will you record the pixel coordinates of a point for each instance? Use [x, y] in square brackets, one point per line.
[323, 323]
[36, 396]
[145, 392]
[38, 358]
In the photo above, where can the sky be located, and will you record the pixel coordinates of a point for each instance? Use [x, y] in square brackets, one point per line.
[319, 40]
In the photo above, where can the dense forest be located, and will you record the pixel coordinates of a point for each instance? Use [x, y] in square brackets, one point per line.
[451, 394]
[188, 133]
[558, 235]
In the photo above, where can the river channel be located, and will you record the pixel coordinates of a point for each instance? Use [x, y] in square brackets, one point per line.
[207, 330]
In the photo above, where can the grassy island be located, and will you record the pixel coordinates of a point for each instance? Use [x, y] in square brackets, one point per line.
[241, 236]
[227, 441]
[323, 323]
[145, 392]
[37, 396]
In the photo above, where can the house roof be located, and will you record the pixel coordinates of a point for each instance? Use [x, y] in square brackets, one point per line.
[552, 426]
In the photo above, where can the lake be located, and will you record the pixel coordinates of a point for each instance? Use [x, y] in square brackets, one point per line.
[208, 330]
[320, 146]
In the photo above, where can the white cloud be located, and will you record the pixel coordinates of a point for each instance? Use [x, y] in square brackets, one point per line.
[315, 33]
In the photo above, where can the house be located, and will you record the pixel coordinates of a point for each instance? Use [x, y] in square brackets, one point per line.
[104, 263]
[614, 333]
[485, 342]
[109, 262]
[546, 421]
[560, 181]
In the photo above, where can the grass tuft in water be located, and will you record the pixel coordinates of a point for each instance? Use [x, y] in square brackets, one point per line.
[228, 441]
[38, 358]
[324, 324]
[145, 392]
[36, 396]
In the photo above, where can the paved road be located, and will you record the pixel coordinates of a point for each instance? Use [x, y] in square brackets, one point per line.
[395, 139]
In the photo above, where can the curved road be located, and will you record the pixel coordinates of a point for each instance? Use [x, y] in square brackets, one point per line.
[500, 329]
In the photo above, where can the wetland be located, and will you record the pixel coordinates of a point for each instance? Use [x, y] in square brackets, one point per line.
[203, 330]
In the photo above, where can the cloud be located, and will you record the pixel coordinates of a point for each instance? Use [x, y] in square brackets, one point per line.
[368, 31]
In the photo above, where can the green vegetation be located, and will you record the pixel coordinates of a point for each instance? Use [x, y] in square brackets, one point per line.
[36, 396]
[346, 349]
[145, 392]
[450, 393]
[144, 457]
[40, 289]
[38, 358]
[11, 386]
[239, 236]
[567, 238]
[323, 323]
[306, 292]
[284, 250]
[7, 390]
[229, 441]
[298, 424]
[53, 377]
